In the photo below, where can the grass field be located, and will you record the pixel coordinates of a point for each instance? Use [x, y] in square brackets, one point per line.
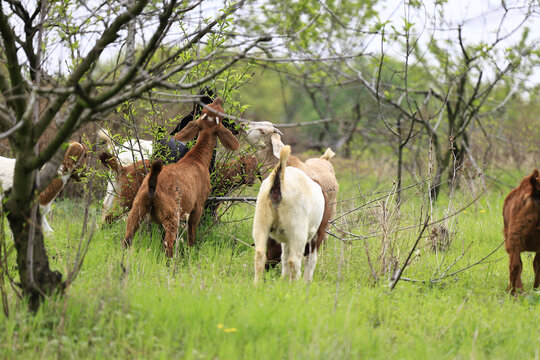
[203, 304]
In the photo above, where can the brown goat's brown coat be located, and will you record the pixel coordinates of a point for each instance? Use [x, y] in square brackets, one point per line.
[129, 179]
[178, 191]
[235, 173]
[74, 161]
[521, 213]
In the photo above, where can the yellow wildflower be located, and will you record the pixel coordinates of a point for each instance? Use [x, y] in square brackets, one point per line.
[230, 330]
[220, 326]
[482, 211]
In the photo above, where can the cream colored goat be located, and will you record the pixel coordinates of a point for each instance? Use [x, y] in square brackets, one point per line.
[266, 139]
[292, 209]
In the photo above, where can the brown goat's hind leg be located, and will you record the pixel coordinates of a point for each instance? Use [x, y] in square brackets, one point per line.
[193, 222]
[515, 268]
[536, 267]
[140, 208]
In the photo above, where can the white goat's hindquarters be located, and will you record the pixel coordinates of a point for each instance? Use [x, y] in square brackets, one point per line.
[293, 222]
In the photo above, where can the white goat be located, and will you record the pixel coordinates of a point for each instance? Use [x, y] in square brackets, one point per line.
[292, 209]
[128, 153]
[266, 139]
[74, 160]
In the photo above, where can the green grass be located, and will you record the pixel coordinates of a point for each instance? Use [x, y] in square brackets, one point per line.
[137, 304]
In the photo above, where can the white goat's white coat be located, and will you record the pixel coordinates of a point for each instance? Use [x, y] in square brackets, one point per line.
[293, 221]
[7, 170]
[264, 137]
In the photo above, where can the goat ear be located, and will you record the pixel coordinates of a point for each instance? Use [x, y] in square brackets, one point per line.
[534, 178]
[189, 132]
[276, 144]
[227, 138]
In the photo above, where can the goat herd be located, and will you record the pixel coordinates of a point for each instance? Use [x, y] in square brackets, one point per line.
[295, 201]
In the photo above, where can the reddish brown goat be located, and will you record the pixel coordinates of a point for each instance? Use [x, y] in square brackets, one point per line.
[241, 171]
[232, 175]
[521, 214]
[178, 191]
[129, 179]
[72, 167]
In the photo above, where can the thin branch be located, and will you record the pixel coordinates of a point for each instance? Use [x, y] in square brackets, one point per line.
[246, 199]
[109, 35]
[12, 130]
[15, 97]
[396, 277]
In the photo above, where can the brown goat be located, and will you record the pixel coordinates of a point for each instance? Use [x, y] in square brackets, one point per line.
[521, 213]
[72, 167]
[178, 191]
[230, 176]
[241, 171]
[129, 179]
[74, 160]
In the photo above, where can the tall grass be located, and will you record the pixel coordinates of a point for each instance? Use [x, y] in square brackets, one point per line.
[136, 303]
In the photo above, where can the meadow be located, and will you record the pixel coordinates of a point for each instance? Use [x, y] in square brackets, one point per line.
[451, 303]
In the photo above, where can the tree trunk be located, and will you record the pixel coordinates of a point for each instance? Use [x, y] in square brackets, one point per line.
[442, 165]
[37, 280]
[351, 129]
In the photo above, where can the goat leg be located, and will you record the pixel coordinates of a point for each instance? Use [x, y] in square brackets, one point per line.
[260, 236]
[193, 222]
[515, 268]
[536, 267]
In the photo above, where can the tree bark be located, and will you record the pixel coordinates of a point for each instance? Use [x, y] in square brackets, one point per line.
[37, 280]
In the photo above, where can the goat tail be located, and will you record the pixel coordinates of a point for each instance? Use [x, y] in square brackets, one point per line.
[155, 169]
[278, 175]
[328, 154]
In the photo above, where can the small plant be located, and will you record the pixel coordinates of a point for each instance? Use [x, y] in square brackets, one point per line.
[439, 238]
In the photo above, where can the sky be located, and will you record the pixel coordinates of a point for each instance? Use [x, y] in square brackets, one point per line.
[481, 21]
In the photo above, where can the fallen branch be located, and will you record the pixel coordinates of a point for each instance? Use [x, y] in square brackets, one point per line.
[233, 198]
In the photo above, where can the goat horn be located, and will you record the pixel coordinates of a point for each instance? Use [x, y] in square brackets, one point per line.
[277, 131]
